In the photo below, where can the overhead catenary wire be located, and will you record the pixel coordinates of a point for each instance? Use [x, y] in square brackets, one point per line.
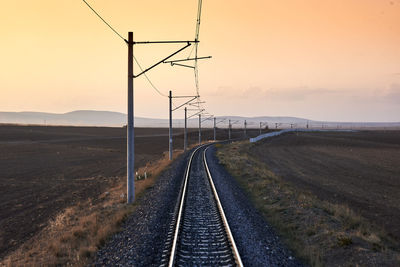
[148, 79]
[130, 114]
[120, 36]
[195, 49]
[196, 71]
[100, 17]
[191, 51]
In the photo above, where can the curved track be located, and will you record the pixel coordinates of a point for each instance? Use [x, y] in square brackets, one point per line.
[201, 234]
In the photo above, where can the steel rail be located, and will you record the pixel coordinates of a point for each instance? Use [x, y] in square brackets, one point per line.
[221, 210]
[182, 201]
[234, 249]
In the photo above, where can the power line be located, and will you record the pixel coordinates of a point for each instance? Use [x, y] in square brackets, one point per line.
[191, 51]
[98, 15]
[120, 36]
[196, 71]
[198, 19]
[148, 79]
[137, 62]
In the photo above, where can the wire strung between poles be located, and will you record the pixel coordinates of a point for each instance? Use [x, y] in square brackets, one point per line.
[148, 79]
[100, 17]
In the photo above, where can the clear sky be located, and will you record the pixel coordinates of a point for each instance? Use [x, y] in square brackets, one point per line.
[326, 60]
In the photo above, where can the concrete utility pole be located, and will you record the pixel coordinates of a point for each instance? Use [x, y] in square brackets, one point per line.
[215, 129]
[291, 126]
[245, 128]
[229, 130]
[199, 129]
[170, 125]
[130, 127]
[260, 127]
[185, 134]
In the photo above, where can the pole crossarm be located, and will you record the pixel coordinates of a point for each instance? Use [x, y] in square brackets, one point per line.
[196, 113]
[197, 103]
[181, 65]
[185, 96]
[173, 62]
[207, 118]
[185, 103]
[161, 61]
[220, 121]
[166, 42]
[188, 59]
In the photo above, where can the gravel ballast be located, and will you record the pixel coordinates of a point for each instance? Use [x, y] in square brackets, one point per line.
[257, 242]
[144, 234]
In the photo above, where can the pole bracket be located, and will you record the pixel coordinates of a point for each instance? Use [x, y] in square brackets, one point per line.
[163, 60]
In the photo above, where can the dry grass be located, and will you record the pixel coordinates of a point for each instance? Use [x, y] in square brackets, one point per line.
[320, 233]
[75, 234]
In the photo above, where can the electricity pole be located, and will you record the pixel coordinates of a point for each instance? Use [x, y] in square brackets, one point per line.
[245, 126]
[199, 129]
[215, 129]
[185, 133]
[260, 127]
[131, 76]
[170, 125]
[170, 121]
[229, 130]
[130, 127]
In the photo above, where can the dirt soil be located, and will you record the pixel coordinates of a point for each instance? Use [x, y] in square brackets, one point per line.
[359, 169]
[44, 169]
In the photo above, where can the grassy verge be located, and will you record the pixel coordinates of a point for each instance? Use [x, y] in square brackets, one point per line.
[320, 233]
[76, 233]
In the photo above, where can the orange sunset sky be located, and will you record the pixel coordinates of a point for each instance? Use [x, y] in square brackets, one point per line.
[335, 60]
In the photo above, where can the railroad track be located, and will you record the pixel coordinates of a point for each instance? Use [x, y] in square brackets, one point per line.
[200, 234]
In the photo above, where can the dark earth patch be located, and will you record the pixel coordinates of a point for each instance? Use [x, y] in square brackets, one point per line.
[360, 169]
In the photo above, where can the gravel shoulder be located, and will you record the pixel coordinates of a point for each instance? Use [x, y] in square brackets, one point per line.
[144, 233]
[257, 242]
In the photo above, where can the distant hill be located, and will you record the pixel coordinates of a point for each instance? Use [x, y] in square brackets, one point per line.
[79, 117]
[108, 118]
